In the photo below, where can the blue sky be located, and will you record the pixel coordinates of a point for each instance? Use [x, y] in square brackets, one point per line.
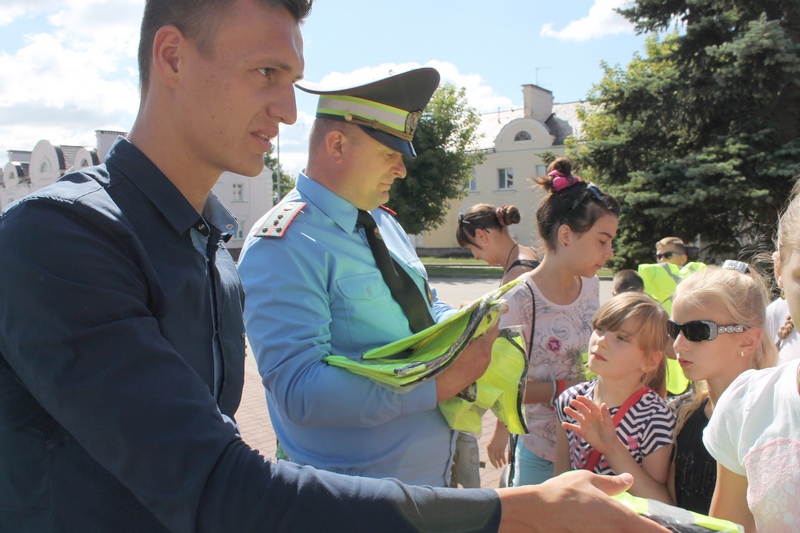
[69, 66]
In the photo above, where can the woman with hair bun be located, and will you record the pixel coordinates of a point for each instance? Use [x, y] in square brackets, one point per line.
[577, 223]
[484, 230]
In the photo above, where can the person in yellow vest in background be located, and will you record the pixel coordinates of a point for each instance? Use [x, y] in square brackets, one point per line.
[660, 281]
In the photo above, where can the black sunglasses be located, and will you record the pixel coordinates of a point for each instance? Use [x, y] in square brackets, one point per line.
[701, 330]
[590, 189]
[667, 255]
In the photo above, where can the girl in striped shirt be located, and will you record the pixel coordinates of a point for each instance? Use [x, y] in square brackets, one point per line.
[619, 421]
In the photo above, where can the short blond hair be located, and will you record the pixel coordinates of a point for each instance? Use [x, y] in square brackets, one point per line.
[677, 242]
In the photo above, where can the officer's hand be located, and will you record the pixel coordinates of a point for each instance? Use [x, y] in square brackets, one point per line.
[470, 364]
[573, 502]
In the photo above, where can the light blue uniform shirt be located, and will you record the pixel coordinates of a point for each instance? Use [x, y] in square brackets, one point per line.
[317, 291]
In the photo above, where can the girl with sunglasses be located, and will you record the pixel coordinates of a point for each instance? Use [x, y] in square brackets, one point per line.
[718, 321]
[484, 230]
[755, 432]
[619, 421]
[577, 223]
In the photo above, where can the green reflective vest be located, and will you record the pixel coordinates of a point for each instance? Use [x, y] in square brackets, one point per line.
[402, 364]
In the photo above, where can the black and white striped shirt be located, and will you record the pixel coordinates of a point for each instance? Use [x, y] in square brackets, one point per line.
[646, 427]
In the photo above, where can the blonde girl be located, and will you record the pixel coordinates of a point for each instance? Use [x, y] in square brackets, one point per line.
[577, 223]
[619, 421]
[718, 321]
[754, 434]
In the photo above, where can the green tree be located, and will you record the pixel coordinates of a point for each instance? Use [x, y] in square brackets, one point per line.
[701, 135]
[278, 176]
[446, 145]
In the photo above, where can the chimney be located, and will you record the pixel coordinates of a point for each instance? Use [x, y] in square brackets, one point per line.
[538, 102]
[105, 140]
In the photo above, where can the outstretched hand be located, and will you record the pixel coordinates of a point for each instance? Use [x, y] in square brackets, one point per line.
[574, 502]
[594, 424]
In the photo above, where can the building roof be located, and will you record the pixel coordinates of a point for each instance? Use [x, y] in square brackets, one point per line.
[69, 155]
[562, 123]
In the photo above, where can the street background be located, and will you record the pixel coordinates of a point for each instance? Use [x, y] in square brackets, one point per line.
[253, 417]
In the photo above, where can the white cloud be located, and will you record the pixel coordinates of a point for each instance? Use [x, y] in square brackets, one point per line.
[602, 20]
[74, 71]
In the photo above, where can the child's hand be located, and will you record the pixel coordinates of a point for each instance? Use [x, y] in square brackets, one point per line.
[595, 424]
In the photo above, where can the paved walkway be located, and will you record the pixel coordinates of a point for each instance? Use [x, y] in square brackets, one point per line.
[253, 417]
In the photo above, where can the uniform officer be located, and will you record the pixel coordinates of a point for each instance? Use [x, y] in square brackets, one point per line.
[334, 297]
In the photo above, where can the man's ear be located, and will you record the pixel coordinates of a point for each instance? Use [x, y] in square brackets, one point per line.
[166, 63]
[336, 144]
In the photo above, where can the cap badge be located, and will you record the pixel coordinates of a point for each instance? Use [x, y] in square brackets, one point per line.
[412, 121]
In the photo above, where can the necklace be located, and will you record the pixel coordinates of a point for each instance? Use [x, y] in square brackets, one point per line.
[505, 265]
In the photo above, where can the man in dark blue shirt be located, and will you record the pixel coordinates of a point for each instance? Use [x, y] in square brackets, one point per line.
[121, 336]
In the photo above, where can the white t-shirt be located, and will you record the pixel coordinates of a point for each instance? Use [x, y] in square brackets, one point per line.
[755, 432]
[560, 339]
[788, 348]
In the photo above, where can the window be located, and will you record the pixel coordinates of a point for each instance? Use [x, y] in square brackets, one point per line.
[541, 170]
[238, 192]
[44, 168]
[522, 136]
[240, 232]
[505, 178]
[473, 183]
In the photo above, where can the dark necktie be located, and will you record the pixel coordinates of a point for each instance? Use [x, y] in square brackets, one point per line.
[403, 288]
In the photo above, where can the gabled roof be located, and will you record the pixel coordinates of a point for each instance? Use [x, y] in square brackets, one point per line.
[69, 153]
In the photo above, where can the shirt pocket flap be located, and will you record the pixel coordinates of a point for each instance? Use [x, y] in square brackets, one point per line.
[368, 286]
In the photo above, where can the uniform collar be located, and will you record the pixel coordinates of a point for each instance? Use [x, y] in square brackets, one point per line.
[341, 211]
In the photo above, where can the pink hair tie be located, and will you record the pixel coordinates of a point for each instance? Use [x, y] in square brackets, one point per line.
[562, 182]
[501, 215]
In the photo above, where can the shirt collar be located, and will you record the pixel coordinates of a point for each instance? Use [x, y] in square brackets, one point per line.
[129, 161]
[342, 212]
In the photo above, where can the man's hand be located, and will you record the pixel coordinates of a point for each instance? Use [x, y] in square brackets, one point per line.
[574, 502]
[470, 364]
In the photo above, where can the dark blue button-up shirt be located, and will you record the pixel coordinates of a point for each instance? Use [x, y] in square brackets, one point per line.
[111, 404]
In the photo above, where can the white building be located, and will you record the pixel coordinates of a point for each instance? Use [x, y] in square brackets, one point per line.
[247, 198]
[515, 139]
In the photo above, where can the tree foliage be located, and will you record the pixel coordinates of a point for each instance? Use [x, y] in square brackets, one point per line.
[701, 135]
[278, 177]
[446, 146]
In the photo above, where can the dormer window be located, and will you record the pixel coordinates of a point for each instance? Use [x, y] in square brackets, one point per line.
[522, 136]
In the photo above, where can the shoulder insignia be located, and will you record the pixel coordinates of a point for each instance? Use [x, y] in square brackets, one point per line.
[388, 210]
[278, 219]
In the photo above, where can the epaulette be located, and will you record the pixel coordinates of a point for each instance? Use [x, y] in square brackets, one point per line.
[278, 219]
[388, 210]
